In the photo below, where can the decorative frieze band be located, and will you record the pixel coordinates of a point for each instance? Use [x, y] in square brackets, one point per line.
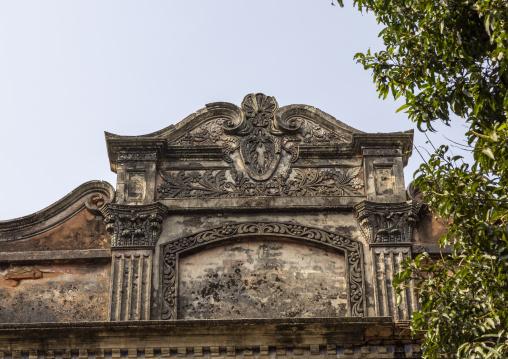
[387, 351]
[333, 181]
[134, 225]
[387, 222]
[137, 156]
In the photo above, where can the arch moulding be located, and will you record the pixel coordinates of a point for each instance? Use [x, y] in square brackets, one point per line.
[352, 250]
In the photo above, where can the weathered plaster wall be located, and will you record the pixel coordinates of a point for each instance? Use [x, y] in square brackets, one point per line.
[341, 222]
[262, 279]
[54, 292]
[84, 230]
[429, 228]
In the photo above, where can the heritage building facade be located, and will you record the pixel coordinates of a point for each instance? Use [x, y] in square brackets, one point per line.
[252, 231]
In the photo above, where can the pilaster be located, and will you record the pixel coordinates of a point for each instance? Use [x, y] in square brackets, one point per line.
[388, 228]
[134, 231]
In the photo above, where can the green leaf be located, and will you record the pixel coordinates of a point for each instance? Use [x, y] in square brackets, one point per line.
[403, 107]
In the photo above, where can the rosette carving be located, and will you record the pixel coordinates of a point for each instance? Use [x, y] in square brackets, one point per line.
[352, 251]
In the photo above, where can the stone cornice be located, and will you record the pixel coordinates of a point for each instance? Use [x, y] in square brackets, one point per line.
[132, 145]
[74, 255]
[402, 140]
[261, 204]
[349, 330]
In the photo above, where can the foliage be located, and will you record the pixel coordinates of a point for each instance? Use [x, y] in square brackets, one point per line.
[446, 58]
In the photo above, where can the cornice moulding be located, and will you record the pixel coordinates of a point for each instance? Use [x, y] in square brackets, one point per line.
[116, 144]
[402, 140]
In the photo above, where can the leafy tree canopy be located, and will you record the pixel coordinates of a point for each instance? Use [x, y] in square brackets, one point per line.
[448, 57]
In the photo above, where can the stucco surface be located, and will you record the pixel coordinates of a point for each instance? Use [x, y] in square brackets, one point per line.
[262, 279]
[56, 292]
[82, 231]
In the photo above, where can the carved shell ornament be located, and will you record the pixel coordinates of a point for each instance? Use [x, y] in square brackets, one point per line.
[259, 108]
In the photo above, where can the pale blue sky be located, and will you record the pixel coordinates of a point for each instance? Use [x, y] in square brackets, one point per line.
[70, 70]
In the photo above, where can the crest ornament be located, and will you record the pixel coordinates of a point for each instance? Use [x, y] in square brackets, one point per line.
[265, 146]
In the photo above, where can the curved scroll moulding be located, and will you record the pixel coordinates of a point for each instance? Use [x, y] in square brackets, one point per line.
[73, 222]
[315, 125]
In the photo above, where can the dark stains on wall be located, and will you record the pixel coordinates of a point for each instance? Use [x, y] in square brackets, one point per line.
[56, 292]
[262, 279]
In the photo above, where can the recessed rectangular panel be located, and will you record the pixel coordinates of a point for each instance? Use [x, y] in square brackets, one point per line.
[384, 179]
[262, 279]
[136, 186]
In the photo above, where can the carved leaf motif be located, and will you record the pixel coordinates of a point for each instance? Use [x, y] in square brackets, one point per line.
[387, 223]
[305, 182]
[174, 185]
[132, 229]
[229, 146]
[208, 133]
[213, 184]
[353, 172]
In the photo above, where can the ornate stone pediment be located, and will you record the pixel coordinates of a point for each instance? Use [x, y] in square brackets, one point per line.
[257, 150]
[306, 124]
[260, 143]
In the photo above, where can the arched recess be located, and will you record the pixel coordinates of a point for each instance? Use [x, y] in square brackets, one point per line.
[352, 250]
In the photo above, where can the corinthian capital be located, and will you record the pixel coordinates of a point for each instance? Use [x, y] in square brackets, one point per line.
[134, 226]
[387, 222]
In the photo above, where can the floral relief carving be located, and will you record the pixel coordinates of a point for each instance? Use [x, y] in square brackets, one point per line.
[209, 133]
[312, 133]
[222, 183]
[351, 249]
